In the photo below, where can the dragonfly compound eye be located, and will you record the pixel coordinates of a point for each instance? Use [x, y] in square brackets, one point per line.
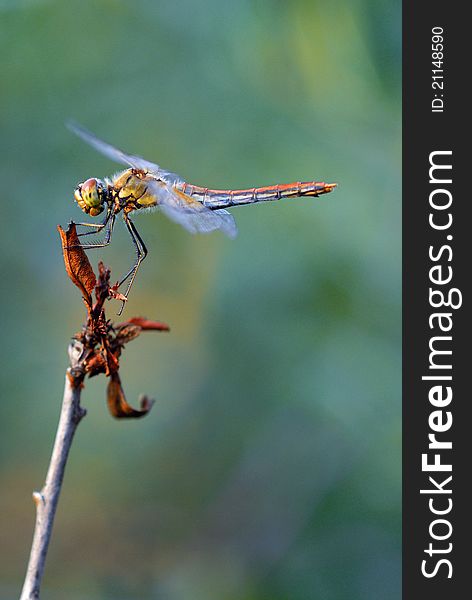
[90, 197]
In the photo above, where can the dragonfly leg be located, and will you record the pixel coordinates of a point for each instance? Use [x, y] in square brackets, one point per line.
[141, 253]
[108, 235]
[96, 226]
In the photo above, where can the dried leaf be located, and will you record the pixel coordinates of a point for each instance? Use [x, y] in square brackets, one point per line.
[113, 364]
[127, 332]
[147, 325]
[96, 364]
[76, 262]
[117, 404]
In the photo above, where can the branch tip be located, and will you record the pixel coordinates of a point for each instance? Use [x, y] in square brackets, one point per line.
[38, 499]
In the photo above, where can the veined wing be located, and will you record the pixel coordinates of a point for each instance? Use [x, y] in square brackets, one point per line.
[192, 214]
[121, 157]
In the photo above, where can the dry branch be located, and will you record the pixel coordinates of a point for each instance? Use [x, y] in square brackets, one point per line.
[96, 349]
[46, 500]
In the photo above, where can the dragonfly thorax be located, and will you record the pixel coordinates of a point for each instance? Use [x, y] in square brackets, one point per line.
[91, 196]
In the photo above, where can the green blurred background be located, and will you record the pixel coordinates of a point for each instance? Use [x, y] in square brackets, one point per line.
[269, 468]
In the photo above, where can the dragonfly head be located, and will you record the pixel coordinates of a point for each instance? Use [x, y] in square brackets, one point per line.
[91, 196]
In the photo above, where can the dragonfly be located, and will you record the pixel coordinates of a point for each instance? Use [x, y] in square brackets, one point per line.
[145, 186]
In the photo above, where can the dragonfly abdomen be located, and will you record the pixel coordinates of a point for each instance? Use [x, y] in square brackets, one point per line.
[225, 198]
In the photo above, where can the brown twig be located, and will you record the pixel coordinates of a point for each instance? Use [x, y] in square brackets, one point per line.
[97, 348]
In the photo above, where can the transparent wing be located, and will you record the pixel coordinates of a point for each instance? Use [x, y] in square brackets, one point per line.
[121, 157]
[191, 214]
